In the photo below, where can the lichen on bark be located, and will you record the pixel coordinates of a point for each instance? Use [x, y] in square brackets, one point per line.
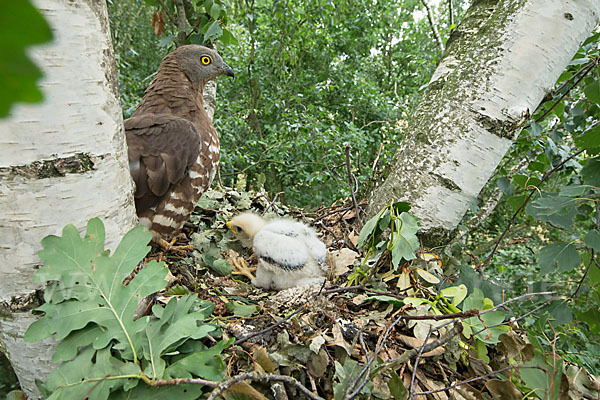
[497, 67]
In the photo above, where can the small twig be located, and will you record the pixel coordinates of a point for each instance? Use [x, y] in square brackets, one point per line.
[183, 381]
[455, 385]
[512, 321]
[370, 360]
[534, 190]
[374, 168]
[373, 122]
[332, 212]
[361, 287]
[589, 68]
[271, 202]
[353, 182]
[254, 376]
[504, 303]
[426, 347]
[585, 274]
[269, 328]
[434, 30]
[416, 365]
[181, 23]
[168, 12]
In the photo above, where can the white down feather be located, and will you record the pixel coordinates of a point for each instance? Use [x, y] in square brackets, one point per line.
[289, 253]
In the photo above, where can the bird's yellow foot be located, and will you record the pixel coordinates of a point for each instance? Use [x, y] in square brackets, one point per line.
[170, 246]
[241, 267]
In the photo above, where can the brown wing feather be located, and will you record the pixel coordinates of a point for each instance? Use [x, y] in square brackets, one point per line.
[161, 149]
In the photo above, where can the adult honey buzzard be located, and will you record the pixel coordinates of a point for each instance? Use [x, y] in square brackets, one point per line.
[173, 147]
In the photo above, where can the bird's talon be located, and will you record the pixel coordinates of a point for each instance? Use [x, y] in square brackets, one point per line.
[170, 246]
[241, 267]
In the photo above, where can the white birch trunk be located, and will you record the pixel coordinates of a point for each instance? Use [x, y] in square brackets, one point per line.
[63, 161]
[503, 58]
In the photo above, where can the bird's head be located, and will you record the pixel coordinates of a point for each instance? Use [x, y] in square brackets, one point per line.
[200, 64]
[245, 226]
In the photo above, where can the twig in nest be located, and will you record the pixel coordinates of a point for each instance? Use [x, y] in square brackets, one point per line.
[454, 385]
[269, 328]
[364, 373]
[254, 376]
[353, 182]
[416, 366]
[272, 203]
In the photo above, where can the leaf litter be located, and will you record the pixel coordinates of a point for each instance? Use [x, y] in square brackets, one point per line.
[345, 341]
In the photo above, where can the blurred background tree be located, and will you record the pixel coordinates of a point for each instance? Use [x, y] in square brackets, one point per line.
[310, 77]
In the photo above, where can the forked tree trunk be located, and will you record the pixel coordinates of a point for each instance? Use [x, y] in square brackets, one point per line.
[61, 162]
[498, 65]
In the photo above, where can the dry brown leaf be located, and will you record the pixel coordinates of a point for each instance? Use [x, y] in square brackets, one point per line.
[353, 237]
[262, 358]
[158, 22]
[338, 338]
[244, 388]
[503, 390]
[413, 343]
[342, 260]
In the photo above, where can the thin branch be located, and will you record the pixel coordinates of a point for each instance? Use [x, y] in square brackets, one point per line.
[416, 365]
[353, 184]
[585, 274]
[512, 321]
[489, 206]
[436, 34]
[365, 371]
[254, 376]
[426, 347]
[450, 13]
[591, 66]
[181, 23]
[168, 12]
[493, 373]
[269, 328]
[374, 168]
[182, 381]
[534, 190]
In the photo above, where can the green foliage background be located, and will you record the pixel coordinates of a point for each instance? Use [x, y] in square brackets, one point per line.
[310, 77]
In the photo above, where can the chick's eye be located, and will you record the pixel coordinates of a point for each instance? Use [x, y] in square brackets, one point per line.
[205, 60]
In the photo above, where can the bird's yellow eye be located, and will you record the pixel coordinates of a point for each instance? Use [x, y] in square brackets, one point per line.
[205, 60]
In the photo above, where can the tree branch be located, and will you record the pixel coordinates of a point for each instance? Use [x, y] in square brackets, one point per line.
[436, 34]
[182, 24]
[534, 190]
[254, 376]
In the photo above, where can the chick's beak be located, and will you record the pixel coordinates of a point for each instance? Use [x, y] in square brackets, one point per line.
[231, 228]
[227, 70]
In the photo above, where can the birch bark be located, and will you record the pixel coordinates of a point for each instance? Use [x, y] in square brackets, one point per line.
[63, 161]
[498, 65]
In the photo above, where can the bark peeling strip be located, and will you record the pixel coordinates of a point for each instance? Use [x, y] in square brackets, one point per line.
[78, 163]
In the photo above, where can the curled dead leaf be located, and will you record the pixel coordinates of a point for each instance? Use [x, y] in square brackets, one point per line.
[158, 22]
[342, 260]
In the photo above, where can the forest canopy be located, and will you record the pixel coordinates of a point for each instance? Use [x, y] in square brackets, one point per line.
[310, 78]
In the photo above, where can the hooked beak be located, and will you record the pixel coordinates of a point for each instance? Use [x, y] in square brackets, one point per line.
[227, 70]
[231, 228]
